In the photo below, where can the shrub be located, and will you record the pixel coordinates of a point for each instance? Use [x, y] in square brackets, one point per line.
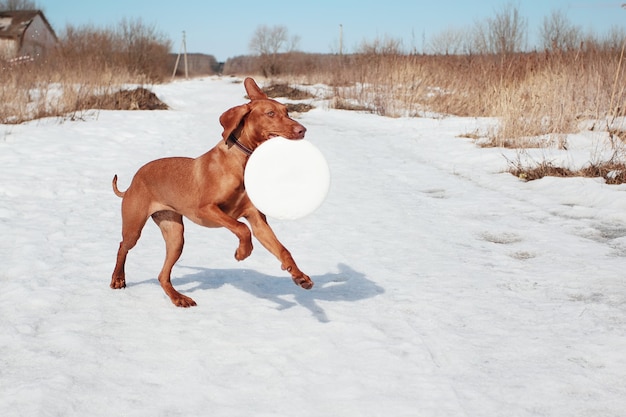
[88, 62]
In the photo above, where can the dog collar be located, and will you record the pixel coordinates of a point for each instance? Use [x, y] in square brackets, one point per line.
[232, 140]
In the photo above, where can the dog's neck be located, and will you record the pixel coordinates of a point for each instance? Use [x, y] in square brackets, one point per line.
[232, 140]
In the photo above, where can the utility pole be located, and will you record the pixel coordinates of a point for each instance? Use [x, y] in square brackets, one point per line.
[183, 49]
[340, 39]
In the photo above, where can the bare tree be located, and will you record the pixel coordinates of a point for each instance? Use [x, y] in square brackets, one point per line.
[615, 39]
[507, 30]
[143, 46]
[381, 46]
[448, 42]
[268, 43]
[18, 5]
[558, 34]
[503, 34]
[268, 40]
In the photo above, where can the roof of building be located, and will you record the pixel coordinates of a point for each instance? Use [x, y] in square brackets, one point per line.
[13, 23]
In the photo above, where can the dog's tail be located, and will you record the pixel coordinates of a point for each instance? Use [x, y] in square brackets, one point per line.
[115, 189]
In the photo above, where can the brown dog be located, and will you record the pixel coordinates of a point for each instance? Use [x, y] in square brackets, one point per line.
[208, 190]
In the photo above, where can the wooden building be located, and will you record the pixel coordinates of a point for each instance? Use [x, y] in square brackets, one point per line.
[25, 35]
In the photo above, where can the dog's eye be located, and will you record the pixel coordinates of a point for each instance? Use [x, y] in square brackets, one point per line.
[271, 113]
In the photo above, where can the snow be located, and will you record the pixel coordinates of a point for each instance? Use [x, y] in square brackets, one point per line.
[444, 286]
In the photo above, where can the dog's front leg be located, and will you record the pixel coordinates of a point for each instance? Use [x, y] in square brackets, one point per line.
[212, 215]
[264, 233]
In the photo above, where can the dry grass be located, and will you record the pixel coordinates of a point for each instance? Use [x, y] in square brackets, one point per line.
[88, 69]
[612, 172]
[537, 97]
[286, 91]
[135, 99]
[532, 94]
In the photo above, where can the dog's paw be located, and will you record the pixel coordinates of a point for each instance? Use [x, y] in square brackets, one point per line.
[243, 251]
[118, 283]
[303, 281]
[299, 278]
[183, 301]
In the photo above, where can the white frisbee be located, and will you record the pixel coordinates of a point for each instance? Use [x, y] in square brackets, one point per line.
[287, 179]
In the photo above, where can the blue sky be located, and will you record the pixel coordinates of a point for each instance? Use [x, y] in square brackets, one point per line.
[224, 28]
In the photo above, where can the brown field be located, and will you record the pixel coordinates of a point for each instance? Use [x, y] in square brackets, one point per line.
[538, 97]
[533, 94]
[88, 65]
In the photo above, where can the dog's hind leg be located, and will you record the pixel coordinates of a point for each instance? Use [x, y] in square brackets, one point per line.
[171, 225]
[132, 224]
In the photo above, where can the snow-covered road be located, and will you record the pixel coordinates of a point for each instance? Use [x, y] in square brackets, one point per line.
[444, 286]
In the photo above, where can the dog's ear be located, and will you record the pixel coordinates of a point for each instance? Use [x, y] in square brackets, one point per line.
[231, 119]
[253, 90]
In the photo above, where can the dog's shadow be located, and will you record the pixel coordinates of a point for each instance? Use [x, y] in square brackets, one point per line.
[345, 285]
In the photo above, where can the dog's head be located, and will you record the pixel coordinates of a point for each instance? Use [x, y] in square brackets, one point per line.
[259, 120]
